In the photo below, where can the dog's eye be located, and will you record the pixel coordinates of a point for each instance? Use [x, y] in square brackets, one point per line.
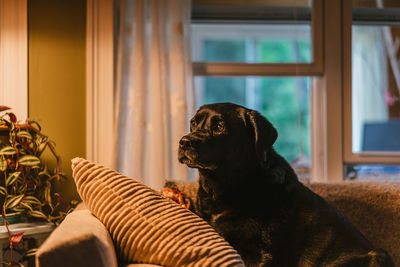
[220, 127]
[192, 124]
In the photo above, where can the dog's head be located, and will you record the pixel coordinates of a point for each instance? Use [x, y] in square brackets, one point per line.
[225, 134]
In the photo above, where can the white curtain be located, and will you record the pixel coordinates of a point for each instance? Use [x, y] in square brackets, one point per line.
[153, 88]
[369, 80]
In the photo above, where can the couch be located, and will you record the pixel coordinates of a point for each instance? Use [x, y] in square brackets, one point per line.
[374, 208]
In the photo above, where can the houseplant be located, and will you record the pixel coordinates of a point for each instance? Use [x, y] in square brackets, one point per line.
[26, 184]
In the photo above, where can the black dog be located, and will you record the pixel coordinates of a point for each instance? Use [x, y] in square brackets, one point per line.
[252, 197]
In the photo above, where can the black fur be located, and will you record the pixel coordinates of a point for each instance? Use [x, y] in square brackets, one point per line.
[252, 196]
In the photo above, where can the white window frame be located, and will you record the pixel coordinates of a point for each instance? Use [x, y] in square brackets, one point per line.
[14, 56]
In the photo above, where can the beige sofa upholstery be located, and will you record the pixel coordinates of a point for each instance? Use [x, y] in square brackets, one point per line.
[81, 240]
[374, 208]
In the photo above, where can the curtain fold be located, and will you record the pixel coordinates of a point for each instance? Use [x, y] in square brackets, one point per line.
[153, 88]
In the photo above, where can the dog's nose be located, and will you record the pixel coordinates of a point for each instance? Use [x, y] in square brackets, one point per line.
[185, 142]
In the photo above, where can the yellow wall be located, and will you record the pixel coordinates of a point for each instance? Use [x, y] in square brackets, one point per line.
[56, 34]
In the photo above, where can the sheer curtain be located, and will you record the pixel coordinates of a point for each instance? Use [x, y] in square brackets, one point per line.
[153, 88]
[369, 81]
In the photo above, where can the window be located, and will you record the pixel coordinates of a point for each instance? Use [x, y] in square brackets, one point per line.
[254, 43]
[372, 108]
[331, 54]
[375, 77]
[256, 27]
[240, 41]
[285, 101]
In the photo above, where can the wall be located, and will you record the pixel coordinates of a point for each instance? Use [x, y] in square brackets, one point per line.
[56, 36]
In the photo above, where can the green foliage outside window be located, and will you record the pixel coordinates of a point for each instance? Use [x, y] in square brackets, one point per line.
[285, 101]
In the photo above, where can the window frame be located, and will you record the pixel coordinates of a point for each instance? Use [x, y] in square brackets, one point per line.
[350, 157]
[314, 68]
[326, 122]
[331, 120]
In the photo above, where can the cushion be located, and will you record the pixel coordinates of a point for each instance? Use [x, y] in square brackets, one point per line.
[373, 207]
[80, 240]
[147, 227]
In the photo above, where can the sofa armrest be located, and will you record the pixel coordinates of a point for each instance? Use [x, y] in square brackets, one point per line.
[80, 240]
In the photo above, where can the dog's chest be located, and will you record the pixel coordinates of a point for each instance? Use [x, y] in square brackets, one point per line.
[216, 218]
[247, 235]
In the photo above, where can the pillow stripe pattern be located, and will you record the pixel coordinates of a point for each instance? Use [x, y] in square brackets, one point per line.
[147, 227]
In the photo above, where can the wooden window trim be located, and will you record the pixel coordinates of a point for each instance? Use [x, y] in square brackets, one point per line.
[326, 103]
[349, 156]
[315, 68]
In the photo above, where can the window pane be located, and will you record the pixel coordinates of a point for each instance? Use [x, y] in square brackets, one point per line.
[375, 88]
[251, 43]
[285, 101]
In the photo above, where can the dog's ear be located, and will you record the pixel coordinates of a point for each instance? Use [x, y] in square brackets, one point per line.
[265, 135]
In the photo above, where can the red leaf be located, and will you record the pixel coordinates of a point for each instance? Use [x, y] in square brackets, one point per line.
[3, 108]
[16, 238]
[13, 118]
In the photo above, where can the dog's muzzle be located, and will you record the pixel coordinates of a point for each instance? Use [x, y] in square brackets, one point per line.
[190, 152]
[185, 142]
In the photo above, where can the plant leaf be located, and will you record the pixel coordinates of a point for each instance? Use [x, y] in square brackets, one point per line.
[25, 205]
[44, 171]
[29, 160]
[12, 116]
[4, 108]
[31, 200]
[42, 147]
[2, 191]
[47, 192]
[12, 178]
[31, 252]
[3, 163]
[34, 122]
[38, 214]
[24, 134]
[13, 201]
[7, 150]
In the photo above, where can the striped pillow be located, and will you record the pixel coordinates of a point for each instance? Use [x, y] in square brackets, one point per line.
[147, 227]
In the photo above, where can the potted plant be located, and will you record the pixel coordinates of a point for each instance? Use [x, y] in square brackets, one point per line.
[26, 184]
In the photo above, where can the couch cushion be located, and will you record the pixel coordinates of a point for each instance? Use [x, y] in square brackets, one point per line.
[147, 227]
[80, 241]
[373, 207]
